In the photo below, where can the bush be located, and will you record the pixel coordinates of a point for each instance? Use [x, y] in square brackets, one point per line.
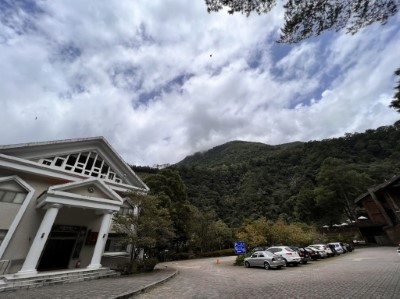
[224, 252]
[239, 260]
[181, 256]
[137, 266]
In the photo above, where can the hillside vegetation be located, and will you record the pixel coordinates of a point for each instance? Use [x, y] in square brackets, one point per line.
[313, 182]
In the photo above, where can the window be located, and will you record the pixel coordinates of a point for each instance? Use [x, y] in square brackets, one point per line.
[3, 233]
[88, 163]
[12, 196]
[115, 243]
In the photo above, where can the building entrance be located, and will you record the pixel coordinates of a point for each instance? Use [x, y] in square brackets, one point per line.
[65, 242]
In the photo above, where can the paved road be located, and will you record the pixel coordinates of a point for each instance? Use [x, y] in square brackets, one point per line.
[364, 273]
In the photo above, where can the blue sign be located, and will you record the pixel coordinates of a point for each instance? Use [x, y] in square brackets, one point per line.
[240, 247]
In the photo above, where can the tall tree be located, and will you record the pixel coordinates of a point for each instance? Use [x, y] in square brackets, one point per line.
[147, 228]
[168, 185]
[338, 187]
[396, 101]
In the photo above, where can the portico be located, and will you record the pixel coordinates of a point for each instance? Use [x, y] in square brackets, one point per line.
[71, 190]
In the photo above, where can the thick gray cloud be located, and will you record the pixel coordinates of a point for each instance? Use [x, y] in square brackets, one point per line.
[164, 79]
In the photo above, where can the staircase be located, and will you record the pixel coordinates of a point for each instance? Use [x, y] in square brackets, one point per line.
[11, 282]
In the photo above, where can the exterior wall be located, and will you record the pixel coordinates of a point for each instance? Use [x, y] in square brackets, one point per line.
[373, 211]
[394, 234]
[22, 238]
[84, 190]
[8, 211]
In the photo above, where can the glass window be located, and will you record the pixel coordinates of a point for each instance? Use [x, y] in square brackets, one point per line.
[12, 197]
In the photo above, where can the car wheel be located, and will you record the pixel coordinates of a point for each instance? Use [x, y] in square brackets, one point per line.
[246, 264]
[267, 266]
[286, 263]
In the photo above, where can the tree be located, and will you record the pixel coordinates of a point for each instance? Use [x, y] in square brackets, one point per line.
[168, 186]
[396, 101]
[338, 187]
[148, 227]
[306, 18]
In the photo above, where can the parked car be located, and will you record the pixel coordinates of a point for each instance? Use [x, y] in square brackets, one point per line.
[303, 253]
[332, 248]
[349, 247]
[321, 248]
[264, 259]
[258, 249]
[314, 253]
[338, 247]
[290, 256]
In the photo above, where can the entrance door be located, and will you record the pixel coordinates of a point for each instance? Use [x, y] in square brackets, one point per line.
[65, 242]
[56, 254]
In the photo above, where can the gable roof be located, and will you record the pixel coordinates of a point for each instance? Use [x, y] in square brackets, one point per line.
[43, 152]
[393, 182]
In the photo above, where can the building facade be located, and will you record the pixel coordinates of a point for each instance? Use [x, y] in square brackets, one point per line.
[382, 205]
[56, 203]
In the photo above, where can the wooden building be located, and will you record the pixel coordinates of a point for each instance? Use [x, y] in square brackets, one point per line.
[382, 206]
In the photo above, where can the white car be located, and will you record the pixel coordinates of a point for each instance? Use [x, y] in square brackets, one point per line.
[338, 247]
[290, 256]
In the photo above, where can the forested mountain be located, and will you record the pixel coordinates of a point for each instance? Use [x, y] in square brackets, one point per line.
[311, 182]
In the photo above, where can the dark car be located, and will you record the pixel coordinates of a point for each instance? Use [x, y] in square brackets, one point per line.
[303, 253]
[314, 254]
[349, 247]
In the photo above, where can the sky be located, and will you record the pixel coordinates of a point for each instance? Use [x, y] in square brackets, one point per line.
[164, 79]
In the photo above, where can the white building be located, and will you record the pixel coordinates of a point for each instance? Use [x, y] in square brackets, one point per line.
[56, 203]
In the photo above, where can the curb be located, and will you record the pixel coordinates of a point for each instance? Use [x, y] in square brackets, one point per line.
[134, 293]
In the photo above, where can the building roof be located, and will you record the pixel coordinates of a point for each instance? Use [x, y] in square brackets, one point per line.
[389, 183]
[41, 152]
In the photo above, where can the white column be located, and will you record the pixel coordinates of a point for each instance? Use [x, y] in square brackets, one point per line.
[101, 240]
[32, 259]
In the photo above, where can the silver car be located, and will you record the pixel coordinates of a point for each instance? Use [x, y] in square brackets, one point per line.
[264, 259]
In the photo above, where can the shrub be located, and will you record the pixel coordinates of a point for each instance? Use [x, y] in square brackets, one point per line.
[223, 252]
[239, 260]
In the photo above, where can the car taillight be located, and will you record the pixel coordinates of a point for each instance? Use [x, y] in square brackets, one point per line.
[288, 253]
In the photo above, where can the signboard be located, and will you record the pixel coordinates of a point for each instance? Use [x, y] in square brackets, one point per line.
[240, 247]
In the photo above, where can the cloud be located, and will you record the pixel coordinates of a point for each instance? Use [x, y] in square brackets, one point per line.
[164, 79]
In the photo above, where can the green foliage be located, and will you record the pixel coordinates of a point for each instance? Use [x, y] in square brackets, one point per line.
[217, 253]
[338, 186]
[281, 182]
[307, 18]
[150, 227]
[396, 101]
[266, 233]
[240, 259]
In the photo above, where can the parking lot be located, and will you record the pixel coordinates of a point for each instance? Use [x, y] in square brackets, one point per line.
[364, 273]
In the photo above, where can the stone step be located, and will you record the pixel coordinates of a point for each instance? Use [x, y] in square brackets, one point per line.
[56, 278]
